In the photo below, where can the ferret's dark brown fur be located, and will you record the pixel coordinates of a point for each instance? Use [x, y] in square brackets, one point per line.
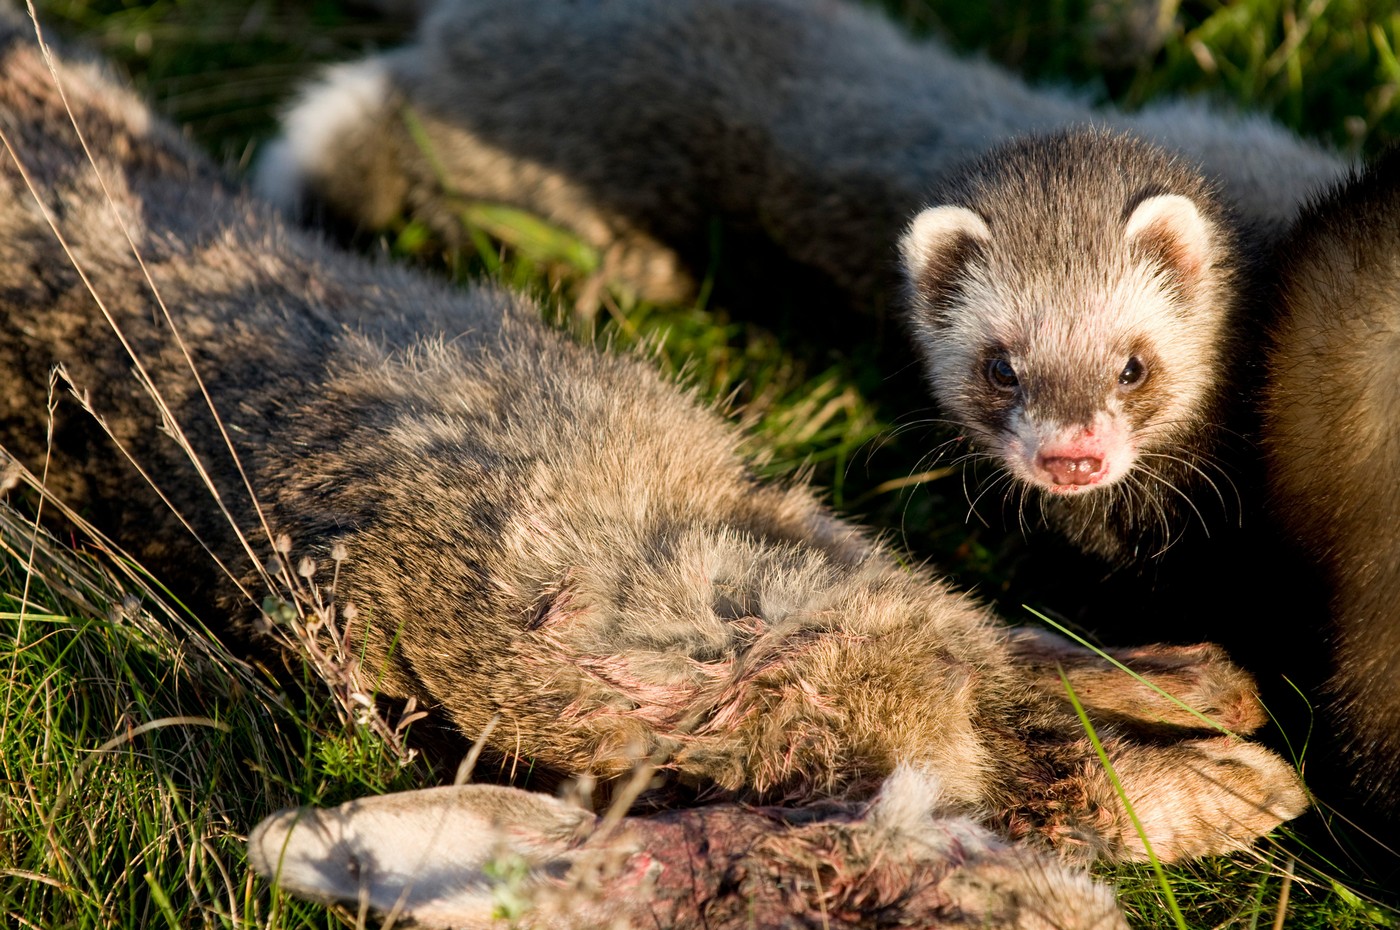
[1332, 433]
[539, 534]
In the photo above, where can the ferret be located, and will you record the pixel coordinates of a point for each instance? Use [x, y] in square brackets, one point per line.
[1090, 311]
[1077, 299]
[1332, 437]
[551, 545]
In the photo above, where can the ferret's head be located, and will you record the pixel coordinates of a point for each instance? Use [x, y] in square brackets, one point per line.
[1069, 297]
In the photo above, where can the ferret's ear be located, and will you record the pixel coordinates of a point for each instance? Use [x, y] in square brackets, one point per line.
[1170, 230]
[433, 855]
[938, 244]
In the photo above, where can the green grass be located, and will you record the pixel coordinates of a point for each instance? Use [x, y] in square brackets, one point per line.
[136, 752]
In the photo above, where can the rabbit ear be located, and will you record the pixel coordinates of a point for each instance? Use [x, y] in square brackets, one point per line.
[444, 856]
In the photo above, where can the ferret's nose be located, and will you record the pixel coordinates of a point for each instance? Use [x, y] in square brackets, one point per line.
[1072, 470]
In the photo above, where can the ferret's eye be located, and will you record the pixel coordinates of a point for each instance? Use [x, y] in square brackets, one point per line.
[1133, 373]
[1001, 374]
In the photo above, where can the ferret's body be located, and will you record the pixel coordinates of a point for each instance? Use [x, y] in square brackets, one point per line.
[536, 534]
[1332, 433]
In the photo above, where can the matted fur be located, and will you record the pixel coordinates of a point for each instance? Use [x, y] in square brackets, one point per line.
[540, 534]
[451, 857]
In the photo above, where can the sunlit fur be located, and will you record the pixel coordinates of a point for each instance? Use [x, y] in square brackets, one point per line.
[1332, 432]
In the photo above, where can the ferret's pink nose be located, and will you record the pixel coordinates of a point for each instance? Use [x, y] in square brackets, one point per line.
[1072, 470]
